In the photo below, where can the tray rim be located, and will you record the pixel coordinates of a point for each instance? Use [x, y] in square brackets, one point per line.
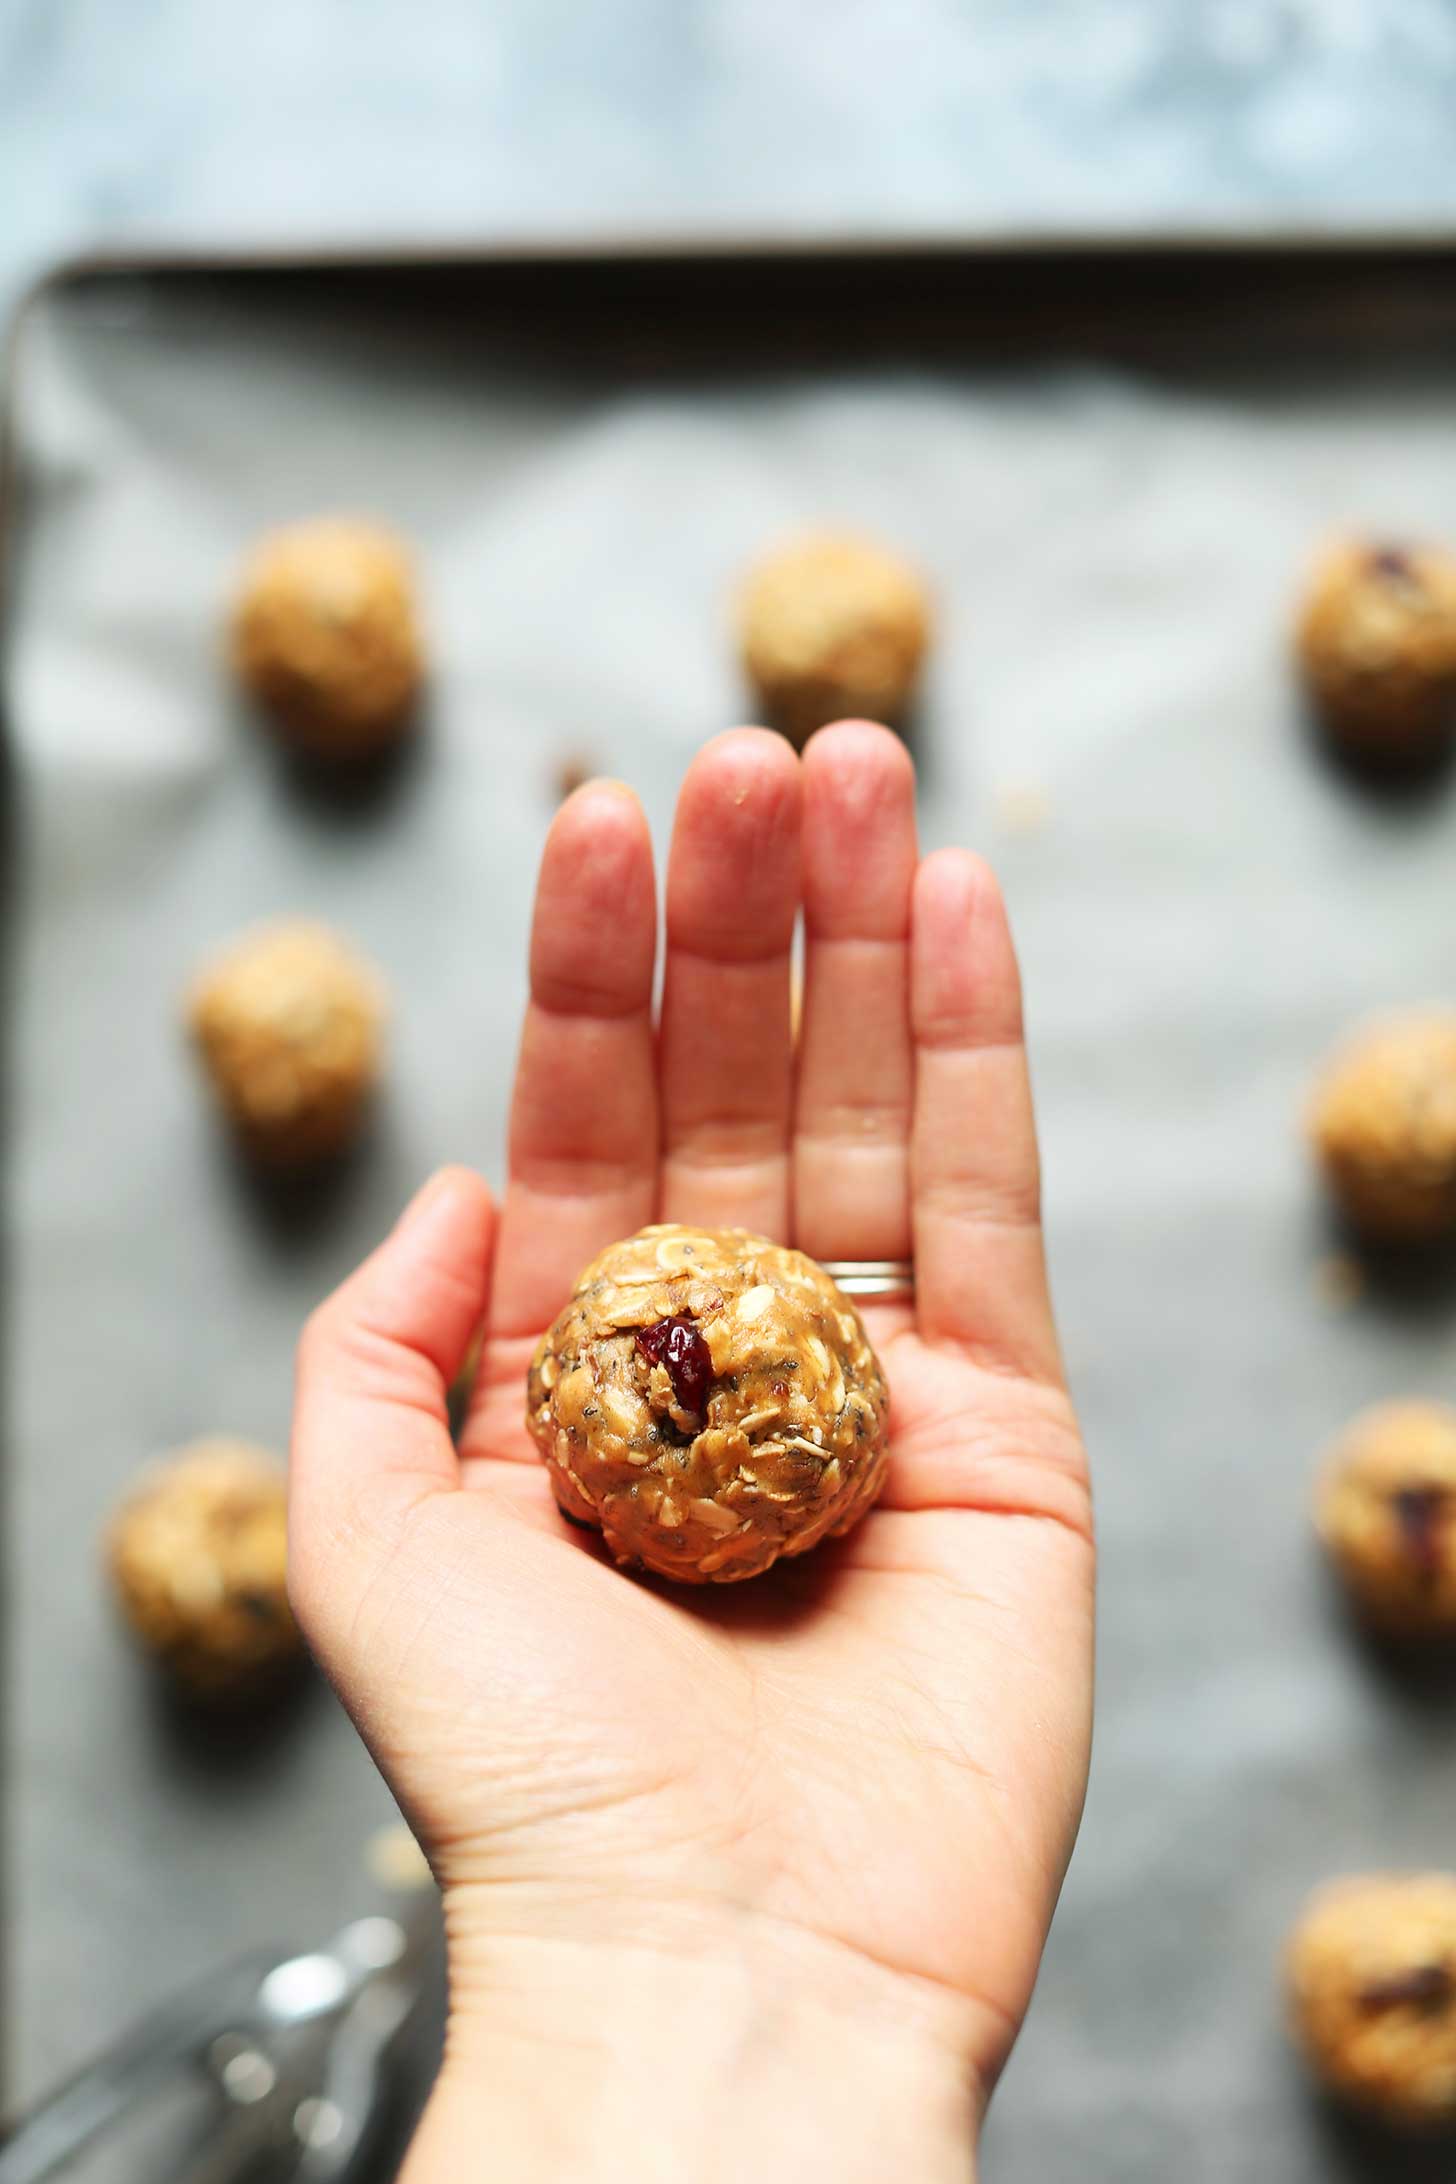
[1394, 249]
[664, 245]
[1369, 249]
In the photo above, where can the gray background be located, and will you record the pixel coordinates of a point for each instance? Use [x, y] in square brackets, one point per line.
[367, 119]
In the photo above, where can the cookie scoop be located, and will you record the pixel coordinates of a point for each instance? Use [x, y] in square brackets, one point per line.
[711, 1401]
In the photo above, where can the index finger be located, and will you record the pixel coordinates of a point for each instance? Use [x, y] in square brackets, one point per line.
[583, 1135]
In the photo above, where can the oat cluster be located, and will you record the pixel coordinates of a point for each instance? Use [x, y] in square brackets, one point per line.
[325, 634]
[833, 626]
[289, 1026]
[198, 1558]
[711, 1401]
[1376, 638]
[1383, 1126]
[1371, 1971]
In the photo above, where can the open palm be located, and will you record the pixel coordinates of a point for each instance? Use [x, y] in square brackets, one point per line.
[875, 1755]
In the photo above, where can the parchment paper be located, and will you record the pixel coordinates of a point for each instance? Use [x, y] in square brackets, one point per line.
[1202, 907]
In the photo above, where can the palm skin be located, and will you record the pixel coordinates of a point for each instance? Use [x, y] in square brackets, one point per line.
[871, 1760]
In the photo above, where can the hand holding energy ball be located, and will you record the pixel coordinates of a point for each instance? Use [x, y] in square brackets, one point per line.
[750, 1879]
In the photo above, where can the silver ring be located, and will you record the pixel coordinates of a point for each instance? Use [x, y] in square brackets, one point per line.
[885, 1280]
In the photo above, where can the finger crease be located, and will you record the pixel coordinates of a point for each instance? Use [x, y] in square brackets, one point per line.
[957, 1034]
[975, 1203]
[842, 1120]
[818, 935]
[749, 1145]
[725, 958]
[1004, 1361]
[564, 1002]
[581, 1178]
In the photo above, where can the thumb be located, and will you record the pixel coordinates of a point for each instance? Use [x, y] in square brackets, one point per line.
[371, 1431]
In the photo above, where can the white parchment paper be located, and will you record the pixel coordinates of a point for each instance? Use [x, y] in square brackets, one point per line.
[1202, 907]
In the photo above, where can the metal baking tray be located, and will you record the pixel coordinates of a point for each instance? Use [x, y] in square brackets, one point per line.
[1112, 461]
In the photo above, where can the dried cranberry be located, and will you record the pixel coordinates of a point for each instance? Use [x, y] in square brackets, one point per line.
[1418, 1512]
[677, 1344]
[1424, 1987]
[1394, 563]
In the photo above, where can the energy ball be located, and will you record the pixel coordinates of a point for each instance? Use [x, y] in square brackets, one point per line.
[833, 625]
[1383, 1126]
[1371, 1971]
[198, 1556]
[289, 1025]
[1386, 1512]
[1377, 643]
[711, 1401]
[325, 635]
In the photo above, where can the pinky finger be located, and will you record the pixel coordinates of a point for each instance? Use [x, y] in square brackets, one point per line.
[980, 1266]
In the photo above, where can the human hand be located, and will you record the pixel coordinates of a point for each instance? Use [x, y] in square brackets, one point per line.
[753, 1873]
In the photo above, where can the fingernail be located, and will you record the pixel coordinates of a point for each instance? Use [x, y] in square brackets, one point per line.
[425, 1200]
[608, 784]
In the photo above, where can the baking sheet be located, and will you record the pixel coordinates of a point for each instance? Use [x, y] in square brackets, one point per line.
[1112, 501]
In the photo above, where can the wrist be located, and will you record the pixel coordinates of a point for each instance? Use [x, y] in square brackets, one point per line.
[760, 2052]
